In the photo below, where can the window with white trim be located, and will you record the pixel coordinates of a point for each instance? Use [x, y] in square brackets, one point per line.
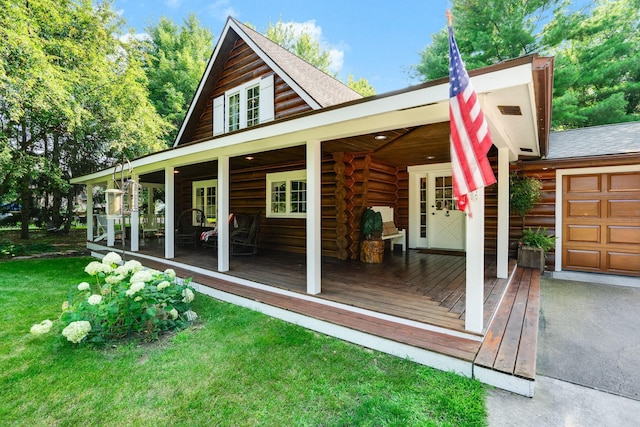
[244, 106]
[205, 198]
[287, 194]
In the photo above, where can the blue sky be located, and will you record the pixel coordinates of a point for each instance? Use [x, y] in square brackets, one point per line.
[377, 40]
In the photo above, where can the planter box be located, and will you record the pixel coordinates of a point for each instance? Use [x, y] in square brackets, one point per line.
[531, 257]
[372, 251]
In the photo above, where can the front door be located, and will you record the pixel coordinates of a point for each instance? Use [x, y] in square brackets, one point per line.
[446, 222]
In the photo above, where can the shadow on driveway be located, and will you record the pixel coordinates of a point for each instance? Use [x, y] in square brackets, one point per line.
[590, 335]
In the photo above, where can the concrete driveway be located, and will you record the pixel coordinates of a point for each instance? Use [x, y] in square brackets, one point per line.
[588, 364]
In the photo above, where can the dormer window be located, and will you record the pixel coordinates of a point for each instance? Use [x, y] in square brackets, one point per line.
[244, 106]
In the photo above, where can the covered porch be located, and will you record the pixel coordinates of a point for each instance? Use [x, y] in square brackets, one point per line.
[412, 305]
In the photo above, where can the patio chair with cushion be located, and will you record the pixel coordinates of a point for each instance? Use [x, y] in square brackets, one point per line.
[246, 242]
[189, 226]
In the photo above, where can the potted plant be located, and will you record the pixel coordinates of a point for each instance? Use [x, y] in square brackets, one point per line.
[372, 247]
[525, 192]
[533, 247]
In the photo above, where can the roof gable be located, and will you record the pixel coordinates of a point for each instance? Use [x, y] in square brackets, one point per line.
[315, 87]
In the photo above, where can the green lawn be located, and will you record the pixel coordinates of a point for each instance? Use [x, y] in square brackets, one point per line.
[235, 367]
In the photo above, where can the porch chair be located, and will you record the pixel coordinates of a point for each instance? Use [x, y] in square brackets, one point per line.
[102, 225]
[246, 243]
[189, 226]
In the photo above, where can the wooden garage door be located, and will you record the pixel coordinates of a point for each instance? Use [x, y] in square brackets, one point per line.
[601, 223]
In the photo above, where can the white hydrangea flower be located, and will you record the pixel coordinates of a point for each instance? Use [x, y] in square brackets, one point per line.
[41, 328]
[191, 315]
[141, 276]
[133, 266]
[95, 267]
[135, 287]
[170, 272]
[173, 313]
[163, 285]
[111, 258]
[121, 270]
[84, 286]
[114, 278]
[76, 331]
[95, 299]
[188, 295]
[136, 299]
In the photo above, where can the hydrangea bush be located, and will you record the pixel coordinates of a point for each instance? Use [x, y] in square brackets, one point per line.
[124, 300]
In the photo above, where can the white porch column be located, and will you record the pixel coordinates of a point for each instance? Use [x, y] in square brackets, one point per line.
[314, 217]
[111, 224]
[169, 214]
[475, 263]
[90, 212]
[135, 217]
[223, 213]
[502, 252]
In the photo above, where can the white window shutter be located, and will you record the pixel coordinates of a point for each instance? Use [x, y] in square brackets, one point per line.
[267, 99]
[218, 115]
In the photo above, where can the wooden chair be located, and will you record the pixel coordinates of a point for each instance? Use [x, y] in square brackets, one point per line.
[102, 226]
[246, 243]
[189, 226]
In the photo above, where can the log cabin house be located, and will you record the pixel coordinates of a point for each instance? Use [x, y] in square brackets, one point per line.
[269, 136]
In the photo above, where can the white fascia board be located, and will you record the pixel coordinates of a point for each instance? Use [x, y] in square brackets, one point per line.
[302, 93]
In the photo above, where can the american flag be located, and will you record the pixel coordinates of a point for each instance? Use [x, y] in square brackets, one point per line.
[470, 136]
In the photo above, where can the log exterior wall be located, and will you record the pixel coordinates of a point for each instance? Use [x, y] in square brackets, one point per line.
[242, 66]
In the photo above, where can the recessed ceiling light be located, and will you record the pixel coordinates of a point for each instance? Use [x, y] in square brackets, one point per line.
[248, 157]
[380, 137]
[176, 171]
[431, 157]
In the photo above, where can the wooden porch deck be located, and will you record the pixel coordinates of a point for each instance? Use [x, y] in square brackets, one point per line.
[411, 305]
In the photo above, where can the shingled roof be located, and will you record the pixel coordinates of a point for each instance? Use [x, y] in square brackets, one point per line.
[621, 138]
[324, 89]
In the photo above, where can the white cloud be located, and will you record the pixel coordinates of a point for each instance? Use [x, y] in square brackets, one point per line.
[173, 3]
[336, 53]
[137, 36]
[221, 9]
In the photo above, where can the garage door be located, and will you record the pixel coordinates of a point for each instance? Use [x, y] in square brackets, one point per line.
[601, 223]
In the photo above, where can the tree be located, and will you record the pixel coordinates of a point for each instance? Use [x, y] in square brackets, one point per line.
[597, 72]
[362, 86]
[302, 42]
[176, 60]
[487, 32]
[298, 40]
[72, 98]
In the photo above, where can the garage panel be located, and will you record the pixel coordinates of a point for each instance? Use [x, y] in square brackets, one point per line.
[624, 263]
[584, 233]
[624, 235]
[624, 182]
[624, 209]
[582, 208]
[584, 260]
[584, 183]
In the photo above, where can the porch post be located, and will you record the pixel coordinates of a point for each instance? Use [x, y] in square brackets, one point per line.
[502, 253]
[111, 224]
[90, 212]
[314, 217]
[169, 211]
[475, 263]
[223, 213]
[135, 218]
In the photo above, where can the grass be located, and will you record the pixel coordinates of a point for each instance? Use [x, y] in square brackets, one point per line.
[235, 367]
[41, 242]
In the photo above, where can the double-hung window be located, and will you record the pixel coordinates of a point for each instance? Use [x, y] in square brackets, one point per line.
[205, 198]
[244, 106]
[287, 194]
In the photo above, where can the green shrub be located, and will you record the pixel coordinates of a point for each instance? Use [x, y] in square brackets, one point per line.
[124, 301]
[9, 249]
[538, 239]
[524, 193]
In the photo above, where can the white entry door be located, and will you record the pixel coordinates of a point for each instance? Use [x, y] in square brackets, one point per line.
[446, 222]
